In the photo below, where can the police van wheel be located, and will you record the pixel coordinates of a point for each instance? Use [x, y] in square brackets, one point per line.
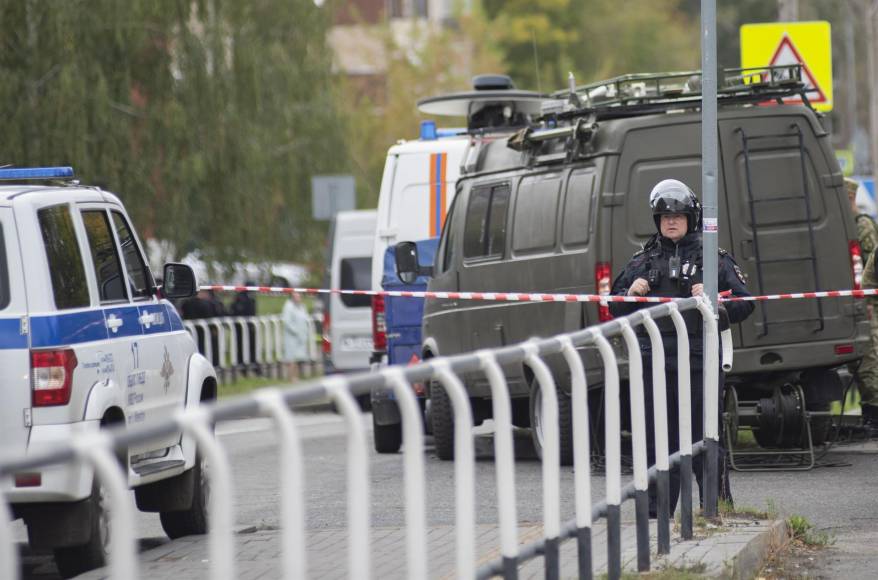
[565, 423]
[388, 438]
[442, 418]
[191, 521]
[75, 560]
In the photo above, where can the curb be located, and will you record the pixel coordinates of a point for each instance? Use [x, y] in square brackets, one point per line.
[753, 555]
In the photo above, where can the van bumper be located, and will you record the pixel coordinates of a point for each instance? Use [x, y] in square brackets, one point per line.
[71, 481]
[796, 356]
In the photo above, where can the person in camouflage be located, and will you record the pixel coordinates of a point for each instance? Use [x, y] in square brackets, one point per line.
[867, 374]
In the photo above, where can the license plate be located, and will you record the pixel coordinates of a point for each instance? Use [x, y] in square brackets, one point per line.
[357, 343]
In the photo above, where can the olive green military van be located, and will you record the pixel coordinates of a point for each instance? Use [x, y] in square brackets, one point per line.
[561, 207]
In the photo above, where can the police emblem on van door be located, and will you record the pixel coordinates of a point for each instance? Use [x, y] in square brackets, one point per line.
[167, 370]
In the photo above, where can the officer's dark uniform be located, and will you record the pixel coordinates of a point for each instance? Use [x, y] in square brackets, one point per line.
[671, 269]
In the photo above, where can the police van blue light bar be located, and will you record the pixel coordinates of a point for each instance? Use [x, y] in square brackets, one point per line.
[428, 130]
[26, 173]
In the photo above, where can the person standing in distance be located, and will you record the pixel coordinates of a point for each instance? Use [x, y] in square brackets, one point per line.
[670, 265]
[297, 333]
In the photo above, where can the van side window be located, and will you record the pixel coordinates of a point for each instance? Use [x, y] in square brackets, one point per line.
[484, 233]
[356, 274]
[536, 209]
[139, 277]
[577, 208]
[108, 269]
[447, 241]
[63, 256]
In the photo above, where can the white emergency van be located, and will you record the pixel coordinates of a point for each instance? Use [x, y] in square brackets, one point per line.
[347, 318]
[88, 341]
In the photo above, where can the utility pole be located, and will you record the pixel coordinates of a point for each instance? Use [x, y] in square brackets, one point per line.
[787, 10]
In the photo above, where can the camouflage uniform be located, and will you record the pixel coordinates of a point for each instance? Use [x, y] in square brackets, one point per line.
[867, 232]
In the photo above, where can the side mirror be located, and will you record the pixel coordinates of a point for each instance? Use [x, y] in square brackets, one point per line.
[179, 281]
[407, 266]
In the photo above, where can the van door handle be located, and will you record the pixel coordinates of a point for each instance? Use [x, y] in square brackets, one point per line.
[114, 323]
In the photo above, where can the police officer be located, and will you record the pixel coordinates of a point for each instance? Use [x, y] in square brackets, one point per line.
[670, 264]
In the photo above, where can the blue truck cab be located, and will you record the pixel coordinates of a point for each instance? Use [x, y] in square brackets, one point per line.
[402, 321]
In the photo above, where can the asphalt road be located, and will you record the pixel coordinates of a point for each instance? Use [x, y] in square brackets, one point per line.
[840, 499]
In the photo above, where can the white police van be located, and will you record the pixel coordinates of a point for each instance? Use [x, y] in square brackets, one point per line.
[86, 342]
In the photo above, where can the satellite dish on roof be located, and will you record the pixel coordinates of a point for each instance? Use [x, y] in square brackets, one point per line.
[495, 103]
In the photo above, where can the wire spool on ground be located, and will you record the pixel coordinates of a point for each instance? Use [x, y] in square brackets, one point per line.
[782, 418]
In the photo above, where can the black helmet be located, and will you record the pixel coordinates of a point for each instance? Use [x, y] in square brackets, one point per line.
[672, 196]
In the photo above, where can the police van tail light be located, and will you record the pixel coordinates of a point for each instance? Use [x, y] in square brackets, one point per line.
[602, 283]
[326, 342]
[52, 376]
[379, 324]
[856, 263]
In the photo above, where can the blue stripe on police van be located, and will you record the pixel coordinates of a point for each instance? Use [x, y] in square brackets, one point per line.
[160, 322]
[130, 321]
[174, 318]
[65, 329]
[10, 334]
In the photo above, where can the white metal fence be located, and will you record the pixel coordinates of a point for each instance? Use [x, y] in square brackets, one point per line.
[240, 344]
[101, 450]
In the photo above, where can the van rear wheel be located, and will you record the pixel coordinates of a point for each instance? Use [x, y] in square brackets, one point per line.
[75, 560]
[442, 418]
[565, 423]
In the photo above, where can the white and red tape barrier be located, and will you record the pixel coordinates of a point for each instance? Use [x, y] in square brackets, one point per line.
[531, 297]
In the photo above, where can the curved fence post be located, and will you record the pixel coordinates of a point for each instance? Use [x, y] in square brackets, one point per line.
[292, 501]
[684, 409]
[660, 435]
[413, 464]
[208, 339]
[551, 456]
[464, 467]
[581, 454]
[97, 449]
[221, 545]
[358, 478]
[277, 326]
[613, 454]
[233, 345]
[245, 342]
[504, 458]
[638, 437]
[221, 343]
[257, 343]
[9, 567]
[711, 408]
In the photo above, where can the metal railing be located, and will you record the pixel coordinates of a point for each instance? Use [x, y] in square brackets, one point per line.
[218, 340]
[102, 449]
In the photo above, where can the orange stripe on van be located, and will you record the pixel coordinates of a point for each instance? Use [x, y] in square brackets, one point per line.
[442, 188]
[431, 197]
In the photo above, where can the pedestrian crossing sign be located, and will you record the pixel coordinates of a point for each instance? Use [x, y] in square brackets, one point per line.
[806, 43]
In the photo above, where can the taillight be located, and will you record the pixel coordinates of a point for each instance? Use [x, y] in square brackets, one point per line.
[602, 283]
[52, 376]
[327, 341]
[379, 325]
[856, 263]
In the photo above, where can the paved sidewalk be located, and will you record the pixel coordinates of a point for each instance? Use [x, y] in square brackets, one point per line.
[715, 553]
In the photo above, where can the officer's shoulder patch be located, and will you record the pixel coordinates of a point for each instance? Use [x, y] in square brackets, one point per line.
[722, 252]
[639, 252]
[739, 273]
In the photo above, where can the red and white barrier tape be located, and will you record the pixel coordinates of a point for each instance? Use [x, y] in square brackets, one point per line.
[532, 297]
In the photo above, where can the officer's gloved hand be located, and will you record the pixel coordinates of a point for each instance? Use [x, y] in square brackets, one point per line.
[724, 323]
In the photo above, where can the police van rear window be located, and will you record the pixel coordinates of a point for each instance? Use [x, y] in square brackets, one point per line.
[64, 258]
[356, 274]
[4, 273]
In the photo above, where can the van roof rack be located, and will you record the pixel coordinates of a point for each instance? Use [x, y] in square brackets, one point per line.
[35, 173]
[639, 94]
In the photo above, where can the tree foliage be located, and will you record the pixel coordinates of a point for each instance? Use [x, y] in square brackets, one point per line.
[207, 117]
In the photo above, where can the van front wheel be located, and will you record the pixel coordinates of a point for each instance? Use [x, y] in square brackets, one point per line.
[565, 423]
[75, 560]
[388, 438]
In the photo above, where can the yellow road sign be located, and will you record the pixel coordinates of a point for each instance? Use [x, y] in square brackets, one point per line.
[808, 43]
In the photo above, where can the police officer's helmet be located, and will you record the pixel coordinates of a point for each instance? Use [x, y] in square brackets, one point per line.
[672, 196]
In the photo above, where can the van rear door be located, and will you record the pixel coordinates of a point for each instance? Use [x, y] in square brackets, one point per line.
[15, 390]
[788, 224]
